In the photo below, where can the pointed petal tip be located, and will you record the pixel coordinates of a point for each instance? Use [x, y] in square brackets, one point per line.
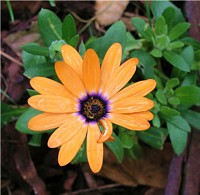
[61, 163]
[116, 45]
[32, 81]
[135, 61]
[62, 159]
[95, 169]
[153, 83]
[53, 143]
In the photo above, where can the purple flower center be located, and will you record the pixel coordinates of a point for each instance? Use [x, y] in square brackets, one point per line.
[93, 107]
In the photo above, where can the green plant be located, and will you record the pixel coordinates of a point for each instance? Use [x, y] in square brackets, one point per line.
[166, 53]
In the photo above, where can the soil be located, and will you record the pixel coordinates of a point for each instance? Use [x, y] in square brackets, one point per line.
[35, 170]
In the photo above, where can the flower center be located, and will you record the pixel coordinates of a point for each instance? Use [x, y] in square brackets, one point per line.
[93, 107]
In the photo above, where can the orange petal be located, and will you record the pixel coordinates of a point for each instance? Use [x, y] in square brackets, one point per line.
[107, 132]
[91, 71]
[47, 86]
[46, 121]
[111, 63]
[52, 103]
[65, 132]
[70, 79]
[94, 149]
[140, 88]
[69, 149]
[72, 58]
[120, 77]
[129, 105]
[145, 115]
[129, 122]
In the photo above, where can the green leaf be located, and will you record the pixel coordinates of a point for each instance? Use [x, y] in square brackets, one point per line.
[196, 63]
[68, 28]
[52, 3]
[190, 41]
[143, 29]
[50, 26]
[158, 7]
[22, 123]
[10, 113]
[162, 41]
[160, 26]
[36, 65]
[32, 92]
[161, 97]
[173, 82]
[125, 138]
[167, 111]
[188, 95]
[159, 84]
[178, 30]
[139, 24]
[148, 33]
[30, 60]
[177, 61]
[174, 101]
[74, 41]
[10, 10]
[156, 53]
[116, 33]
[136, 151]
[131, 43]
[190, 79]
[192, 117]
[156, 121]
[35, 140]
[116, 147]
[82, 49]
[155, 137]
[146, 62]
[188, 54]
[175, 45]
[45, 70]
[169, 14]
[36, 49]
[179, 122]
[178, 138]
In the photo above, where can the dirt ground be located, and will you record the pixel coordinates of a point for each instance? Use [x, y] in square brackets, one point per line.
[34, 170]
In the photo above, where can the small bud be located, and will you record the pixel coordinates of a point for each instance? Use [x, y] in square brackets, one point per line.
[55, 50]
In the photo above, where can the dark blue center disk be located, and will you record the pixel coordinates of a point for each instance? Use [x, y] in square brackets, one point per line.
[93, 107]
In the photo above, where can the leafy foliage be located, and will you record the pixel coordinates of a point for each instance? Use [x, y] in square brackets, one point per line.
[10, 113]
[166, 53]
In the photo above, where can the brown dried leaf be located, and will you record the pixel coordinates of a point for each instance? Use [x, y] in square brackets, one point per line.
[18, 39]
[13, 82]
[17, 163]
[69, 182]
[151, 169]
[108, 12]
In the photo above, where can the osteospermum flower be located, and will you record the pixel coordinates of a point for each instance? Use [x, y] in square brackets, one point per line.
[90, 97]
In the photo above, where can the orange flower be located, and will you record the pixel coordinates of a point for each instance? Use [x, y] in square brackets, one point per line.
[90, 97]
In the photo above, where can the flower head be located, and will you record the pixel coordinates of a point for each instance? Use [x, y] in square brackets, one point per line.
[90, 97]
